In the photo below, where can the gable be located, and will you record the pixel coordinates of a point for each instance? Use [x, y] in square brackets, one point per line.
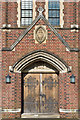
[40, 17]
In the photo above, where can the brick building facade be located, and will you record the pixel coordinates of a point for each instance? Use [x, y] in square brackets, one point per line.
[40, 58]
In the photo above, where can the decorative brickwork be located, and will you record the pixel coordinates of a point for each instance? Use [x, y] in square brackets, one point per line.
[61, 43]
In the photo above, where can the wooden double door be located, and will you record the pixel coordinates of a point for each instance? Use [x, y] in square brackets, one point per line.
[40, 93]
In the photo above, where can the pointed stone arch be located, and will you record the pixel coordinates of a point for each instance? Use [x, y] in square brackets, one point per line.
[41, 55]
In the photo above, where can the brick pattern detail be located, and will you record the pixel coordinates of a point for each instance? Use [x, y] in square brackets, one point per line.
[9, 17]
[0, 59]
[68, 93]
[40, 4]
[70, 13]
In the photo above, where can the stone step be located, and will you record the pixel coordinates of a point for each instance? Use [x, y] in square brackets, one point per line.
[56, 115]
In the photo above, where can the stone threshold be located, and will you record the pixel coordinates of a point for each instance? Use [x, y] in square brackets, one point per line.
[40, 115]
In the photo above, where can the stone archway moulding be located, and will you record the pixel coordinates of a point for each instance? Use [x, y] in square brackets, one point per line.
[41, 55]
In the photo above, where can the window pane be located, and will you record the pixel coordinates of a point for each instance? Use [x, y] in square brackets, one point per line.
[54, 12]
[26, 21]
[26, 5]
[54, 4]
[26, 13]
[54, 21]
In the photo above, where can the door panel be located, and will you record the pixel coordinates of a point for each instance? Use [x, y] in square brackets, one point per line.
[31, 93]
[41, 93]
[50, 93]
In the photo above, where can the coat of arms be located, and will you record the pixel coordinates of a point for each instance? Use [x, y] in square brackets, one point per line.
[40, 34]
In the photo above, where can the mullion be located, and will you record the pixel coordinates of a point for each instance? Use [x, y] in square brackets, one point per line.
[54, 9]
[26, 17]
[26, 9]
[53, 17]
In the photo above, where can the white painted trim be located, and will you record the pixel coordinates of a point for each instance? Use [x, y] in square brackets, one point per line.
[4, 25]
[18, 15]
[9, 25]
[61, 14]
[34, 7]
[74, 30]
[19, 12]
[17, 71]
[68, 110]
[10, 68]
[46, 9]
[11, 110]
[59, 65]
[7, 30]
[46, 12]
[67, 50]
[74, 26]
[64, 71]
[13, 49]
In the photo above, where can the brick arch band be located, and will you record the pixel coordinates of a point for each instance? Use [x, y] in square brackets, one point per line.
[41, 55]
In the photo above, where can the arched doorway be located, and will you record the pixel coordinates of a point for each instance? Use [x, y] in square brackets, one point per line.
[40, 83]
[40, 89]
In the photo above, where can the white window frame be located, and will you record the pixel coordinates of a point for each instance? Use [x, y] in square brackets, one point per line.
[19, 12]
[61, 12]
[46, 12]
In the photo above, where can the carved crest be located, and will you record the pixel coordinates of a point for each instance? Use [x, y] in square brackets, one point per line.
[40, 34]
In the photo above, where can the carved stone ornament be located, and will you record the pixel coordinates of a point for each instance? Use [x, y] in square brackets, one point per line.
[40, 34]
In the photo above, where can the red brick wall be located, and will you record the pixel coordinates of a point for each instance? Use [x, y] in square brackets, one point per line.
[0, 61]
[79, 56]
[9, 13]
[68, 93]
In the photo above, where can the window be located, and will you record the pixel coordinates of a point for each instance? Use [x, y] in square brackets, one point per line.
[54, 12]
[26, 12]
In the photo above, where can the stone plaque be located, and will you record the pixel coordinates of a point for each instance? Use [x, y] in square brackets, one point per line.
[40, 34]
